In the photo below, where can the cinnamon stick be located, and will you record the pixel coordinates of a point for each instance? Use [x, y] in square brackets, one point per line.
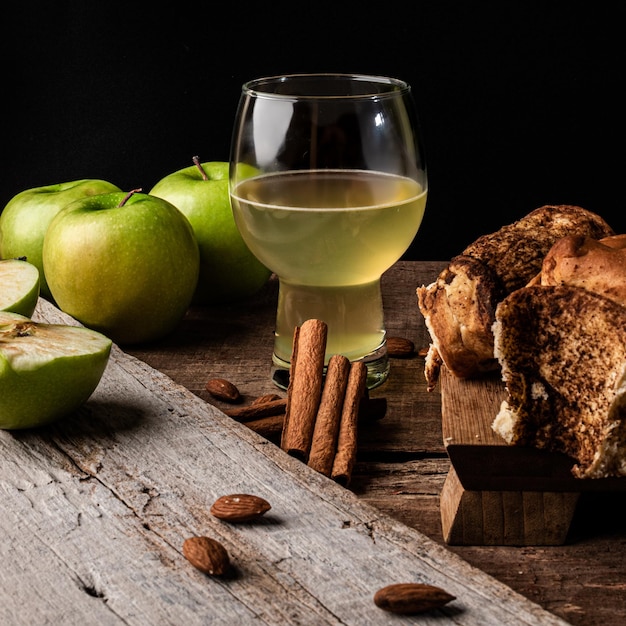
[326, 431]
[268, 397]
[270, 427]
[345, 457]
[305, 387]
[257, 410]
[370, 409]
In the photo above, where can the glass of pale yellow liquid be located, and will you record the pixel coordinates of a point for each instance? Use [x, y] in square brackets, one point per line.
[328, 188]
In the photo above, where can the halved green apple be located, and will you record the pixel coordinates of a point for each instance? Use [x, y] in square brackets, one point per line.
[46, 370]
[19, 286]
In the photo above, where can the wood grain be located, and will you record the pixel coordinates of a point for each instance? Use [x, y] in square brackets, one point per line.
[95, 509]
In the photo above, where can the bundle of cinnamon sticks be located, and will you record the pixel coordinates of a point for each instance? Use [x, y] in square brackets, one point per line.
[321, 416]
[317, 421]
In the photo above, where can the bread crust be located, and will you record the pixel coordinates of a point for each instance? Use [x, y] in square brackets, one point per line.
[515, 253]
[596, 265]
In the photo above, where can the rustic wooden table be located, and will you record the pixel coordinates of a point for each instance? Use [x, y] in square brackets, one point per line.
[402, 461]
[95, 508]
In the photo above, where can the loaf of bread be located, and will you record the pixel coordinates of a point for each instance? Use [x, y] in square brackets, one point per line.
[562, 351]
[459, 306]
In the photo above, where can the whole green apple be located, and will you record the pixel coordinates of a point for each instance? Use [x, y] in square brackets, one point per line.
[46, 370]
[123, 264]
[25, 219]
[228, 270]
[19, 286]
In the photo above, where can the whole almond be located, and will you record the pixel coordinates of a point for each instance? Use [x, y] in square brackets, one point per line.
[223, 389]
[400, 347]
[409, 598]
[239, 507]
[206, 554]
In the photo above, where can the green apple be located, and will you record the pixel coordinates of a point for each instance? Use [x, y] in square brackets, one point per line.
[46, 370]
[19, 286]
[123, 264]
[25, 219]
[228, 270]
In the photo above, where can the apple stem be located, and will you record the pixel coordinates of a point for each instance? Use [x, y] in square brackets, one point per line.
[127, 197]
[196, 160]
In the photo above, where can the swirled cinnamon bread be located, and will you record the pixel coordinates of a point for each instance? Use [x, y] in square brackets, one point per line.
[459, 306]
[562, 351]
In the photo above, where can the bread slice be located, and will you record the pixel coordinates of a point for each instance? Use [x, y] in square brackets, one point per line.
[459, 307]
[562, 351]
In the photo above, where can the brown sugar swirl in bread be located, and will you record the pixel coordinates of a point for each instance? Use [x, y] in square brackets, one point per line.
[562, 351]
[459, 306]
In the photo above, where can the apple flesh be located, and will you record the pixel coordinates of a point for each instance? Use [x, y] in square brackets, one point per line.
[25, 219]
[46, 370]
[19, 286]
[123, 264]
[228, 270]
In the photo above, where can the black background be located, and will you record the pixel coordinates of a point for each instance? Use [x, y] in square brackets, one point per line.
[521, 103]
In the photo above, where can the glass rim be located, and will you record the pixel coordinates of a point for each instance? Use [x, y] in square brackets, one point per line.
[369, 86]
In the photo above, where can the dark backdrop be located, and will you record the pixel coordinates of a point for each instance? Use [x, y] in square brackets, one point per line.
[521, 103]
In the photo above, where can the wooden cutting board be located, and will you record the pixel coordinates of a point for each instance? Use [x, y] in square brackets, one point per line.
[497, 494]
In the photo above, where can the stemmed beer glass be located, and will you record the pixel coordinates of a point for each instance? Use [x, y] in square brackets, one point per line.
[328, 188]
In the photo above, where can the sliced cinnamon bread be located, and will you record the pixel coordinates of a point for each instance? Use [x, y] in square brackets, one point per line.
[459, 307]
[562, 351]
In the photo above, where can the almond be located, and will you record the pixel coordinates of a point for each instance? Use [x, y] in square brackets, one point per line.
[239, 507]
[400, 347]
[206, 554]
[223, 390]
[409, 598]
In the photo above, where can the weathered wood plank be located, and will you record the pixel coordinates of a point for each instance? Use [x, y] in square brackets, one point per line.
[95, 508]
[402, 457]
